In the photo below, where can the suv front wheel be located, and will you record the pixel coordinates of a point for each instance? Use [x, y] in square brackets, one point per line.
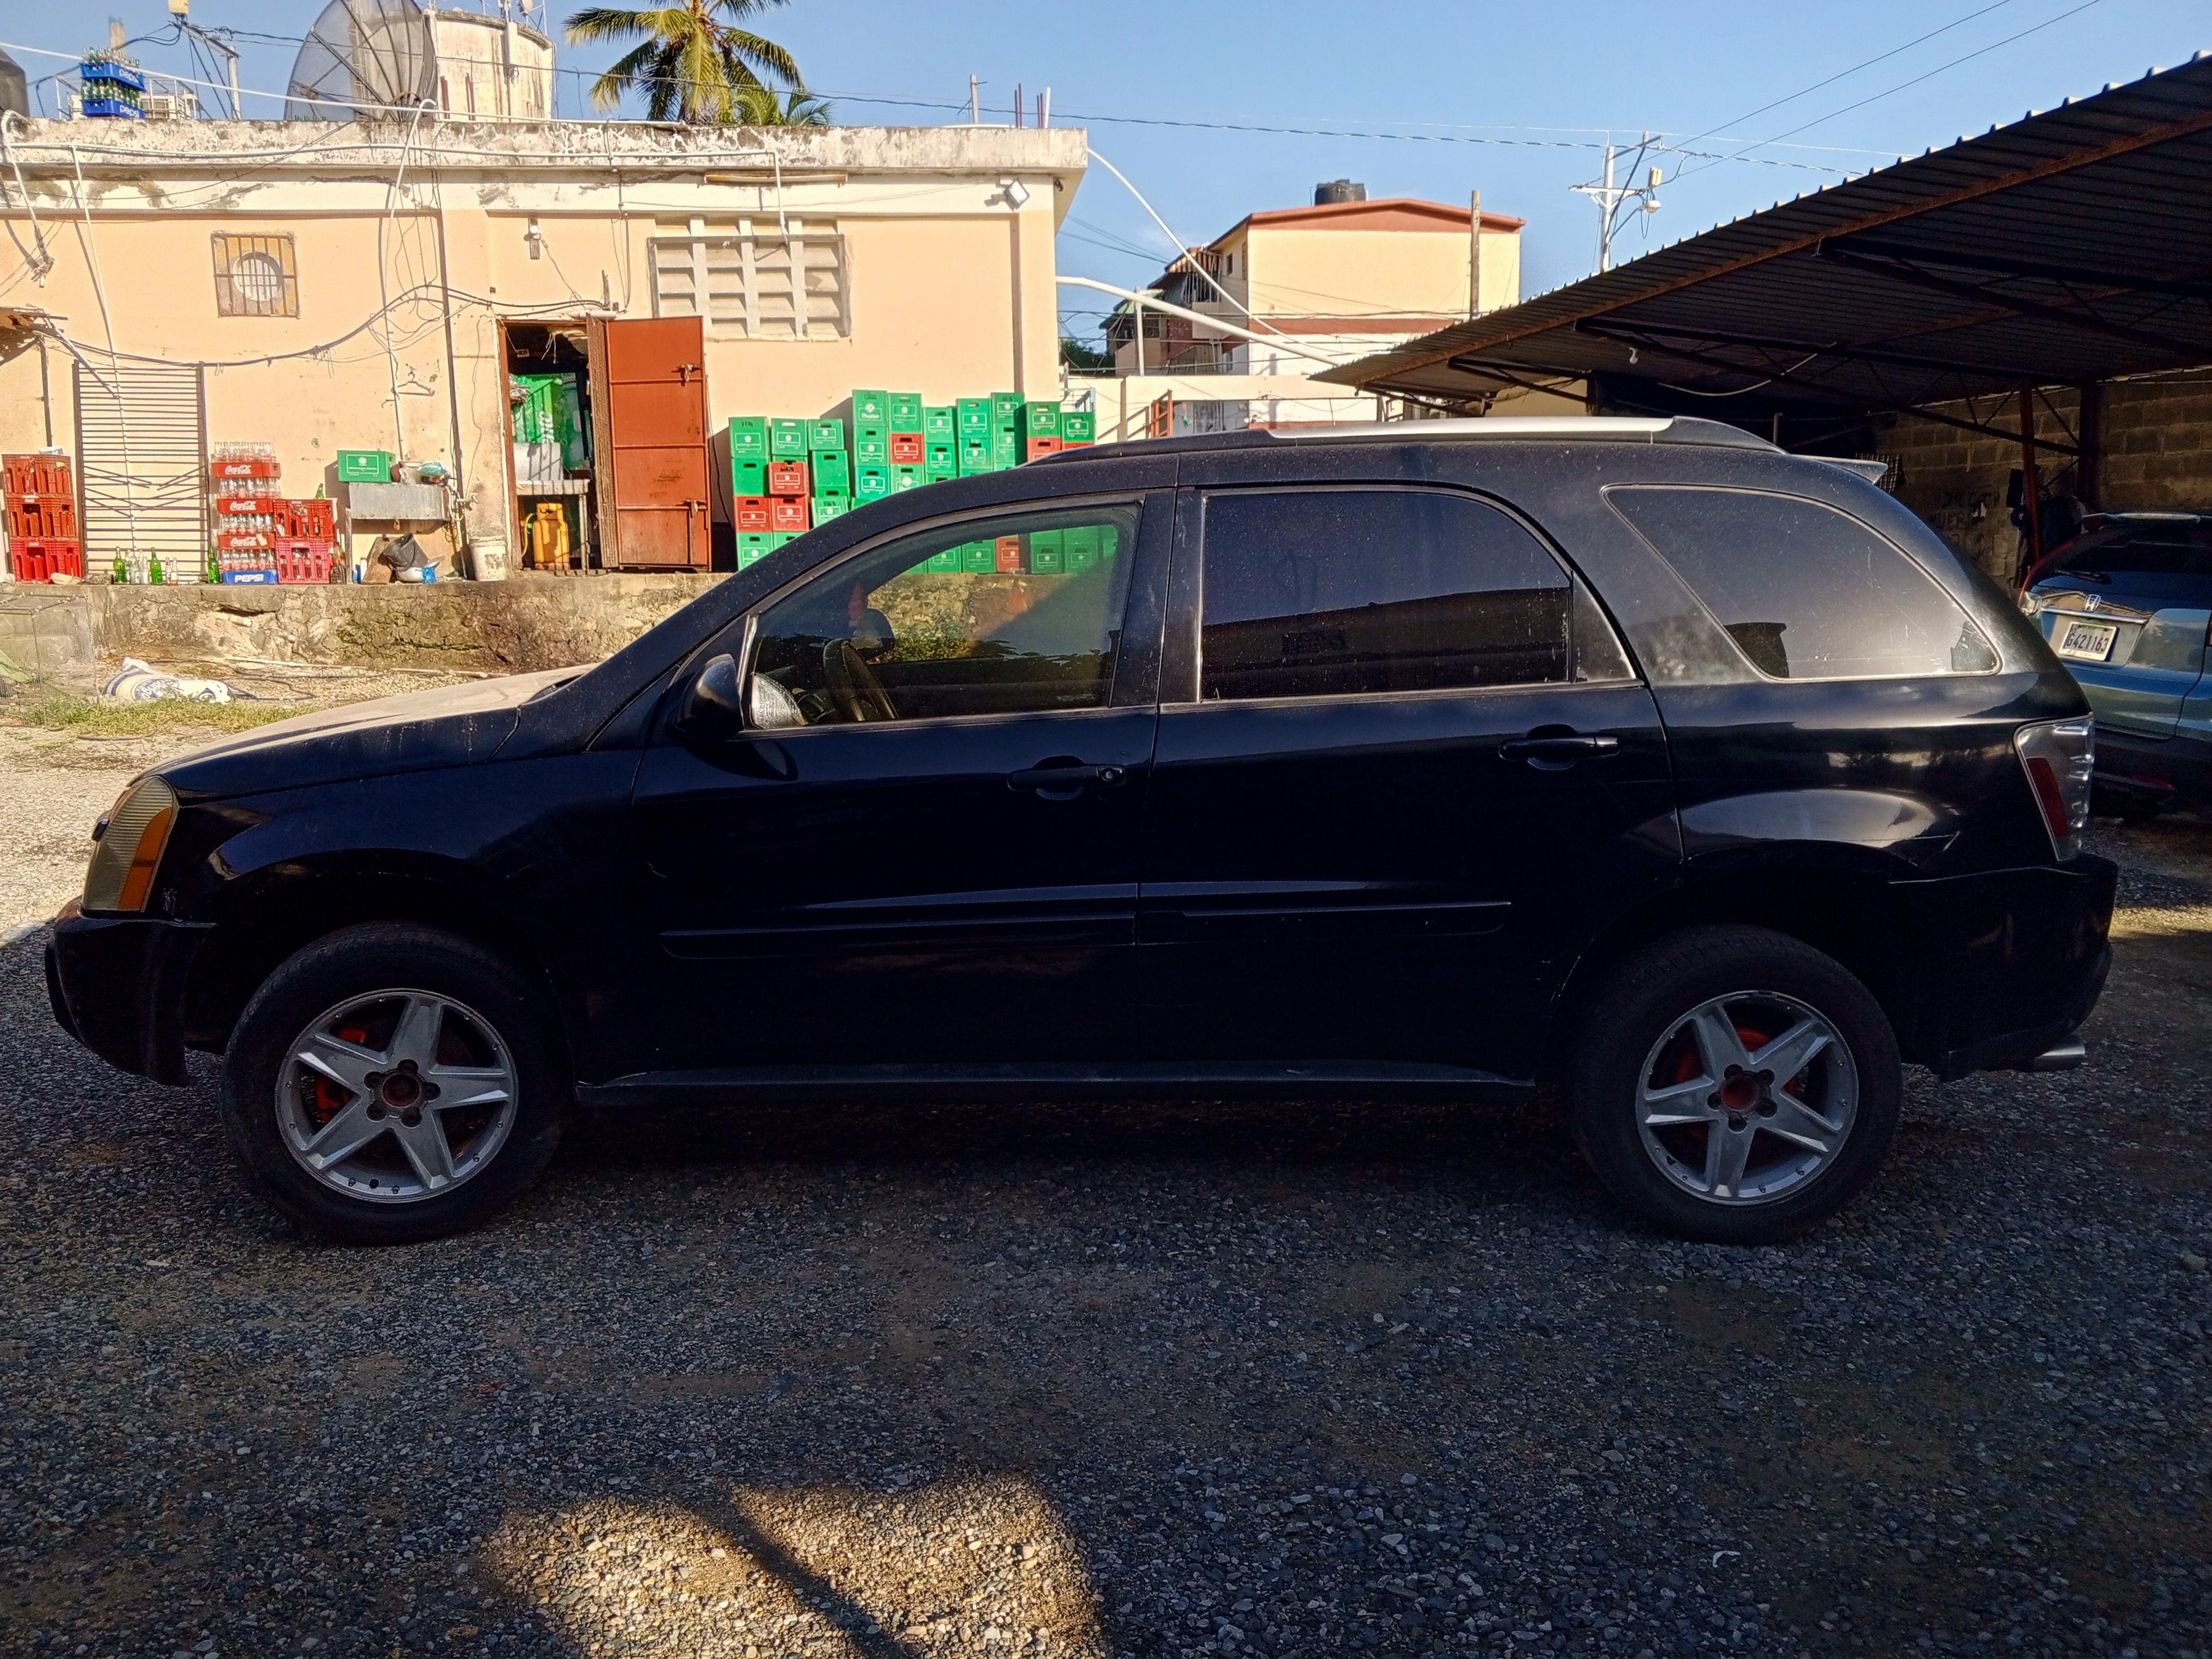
[392, 1083]
[1734, 1085]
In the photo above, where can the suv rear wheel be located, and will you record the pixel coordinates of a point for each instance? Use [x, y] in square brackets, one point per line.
[1734, 1085]
[392, 1083]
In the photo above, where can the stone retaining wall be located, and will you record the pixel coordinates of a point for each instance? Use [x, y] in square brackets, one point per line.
[501, 628]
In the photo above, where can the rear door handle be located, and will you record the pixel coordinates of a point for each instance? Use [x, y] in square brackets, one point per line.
[1555, 753]
[1064, 779]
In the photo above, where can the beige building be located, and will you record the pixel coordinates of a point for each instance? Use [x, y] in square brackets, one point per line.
[1320, 285]
[316, 286]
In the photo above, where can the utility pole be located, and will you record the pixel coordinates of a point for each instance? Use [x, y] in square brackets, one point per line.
[1474, 253]
[975, 115]
[1609, 197]
[213, 42]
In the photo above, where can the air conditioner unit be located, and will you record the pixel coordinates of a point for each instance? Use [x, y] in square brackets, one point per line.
[169, 107]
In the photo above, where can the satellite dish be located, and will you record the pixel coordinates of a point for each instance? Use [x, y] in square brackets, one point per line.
[361, 54]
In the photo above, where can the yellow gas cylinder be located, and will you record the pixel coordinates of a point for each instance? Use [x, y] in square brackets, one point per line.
[549, 538]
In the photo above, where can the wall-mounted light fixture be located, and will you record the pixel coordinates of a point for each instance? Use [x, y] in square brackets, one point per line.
[534, 240]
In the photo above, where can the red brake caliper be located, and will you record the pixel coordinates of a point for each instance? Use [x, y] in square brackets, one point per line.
[328, 1098]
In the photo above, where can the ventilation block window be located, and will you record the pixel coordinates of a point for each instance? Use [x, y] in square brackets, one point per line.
[255, 276]
[752, 278]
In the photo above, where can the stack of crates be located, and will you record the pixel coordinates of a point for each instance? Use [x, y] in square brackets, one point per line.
[1037, 552]
[110, 87]
[830, 466]
[264, 535]
[787, 476]
[42, 534]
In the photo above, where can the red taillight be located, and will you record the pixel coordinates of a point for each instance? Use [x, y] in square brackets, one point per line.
[2059, 758]
[2049, 797]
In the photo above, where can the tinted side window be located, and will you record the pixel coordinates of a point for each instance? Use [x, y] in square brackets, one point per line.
[1015, 613]
[1807, 592]
[1330, 592]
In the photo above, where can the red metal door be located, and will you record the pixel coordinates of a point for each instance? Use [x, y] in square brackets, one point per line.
[651, 384]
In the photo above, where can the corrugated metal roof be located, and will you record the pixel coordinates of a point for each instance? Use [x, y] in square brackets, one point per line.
[2074, 244]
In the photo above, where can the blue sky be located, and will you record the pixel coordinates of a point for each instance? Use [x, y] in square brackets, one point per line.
[1412, 98]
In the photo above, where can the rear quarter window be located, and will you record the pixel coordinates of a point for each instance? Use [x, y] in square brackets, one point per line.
[1806, 591]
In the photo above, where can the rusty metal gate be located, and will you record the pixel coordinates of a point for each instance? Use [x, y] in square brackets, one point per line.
[649, 442]
[142, 462]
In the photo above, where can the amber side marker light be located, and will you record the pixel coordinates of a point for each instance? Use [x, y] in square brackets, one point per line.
[129, 850]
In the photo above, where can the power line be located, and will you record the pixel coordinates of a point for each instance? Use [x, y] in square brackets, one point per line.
[1940, 69]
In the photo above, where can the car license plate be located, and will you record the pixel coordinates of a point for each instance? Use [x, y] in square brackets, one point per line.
[2090, 641]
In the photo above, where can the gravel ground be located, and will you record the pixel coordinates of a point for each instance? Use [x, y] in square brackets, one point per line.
[1077, 1379]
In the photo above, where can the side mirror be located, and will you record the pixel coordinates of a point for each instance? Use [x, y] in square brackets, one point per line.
[714, 706]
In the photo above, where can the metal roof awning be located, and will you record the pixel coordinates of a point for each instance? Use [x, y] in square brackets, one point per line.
[2071, 246]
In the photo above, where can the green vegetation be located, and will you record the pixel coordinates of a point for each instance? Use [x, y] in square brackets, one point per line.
[59, 711]
[696, 67]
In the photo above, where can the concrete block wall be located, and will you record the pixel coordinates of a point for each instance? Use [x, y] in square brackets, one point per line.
[2157, 452]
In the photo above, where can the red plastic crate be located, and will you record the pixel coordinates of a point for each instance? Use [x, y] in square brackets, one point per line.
[247, 469]
[907, 449]
[1075, 443]
[1035, 448]
[37, 474]
[247, 504]
[303, 561]
[42, 517]
[1009, 552]
[786, 477]
[41, 561]
[309, 519]
[786, 513]
[249, 541]
[751, 514]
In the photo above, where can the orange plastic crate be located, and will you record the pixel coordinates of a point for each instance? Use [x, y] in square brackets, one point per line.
[786, 477]
[42, 517]
[907, 449]
[750, 512]
[786, 513]
[37, 561]
[303, 561]
[37, 474]
[1036, 448]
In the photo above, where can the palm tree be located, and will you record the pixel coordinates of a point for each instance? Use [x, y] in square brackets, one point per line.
[695, 66]
[758, 107]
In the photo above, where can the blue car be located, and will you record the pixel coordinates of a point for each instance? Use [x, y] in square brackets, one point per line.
[2126, 605]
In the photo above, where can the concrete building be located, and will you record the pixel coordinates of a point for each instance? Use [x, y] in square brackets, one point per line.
[491, 66]
[1324, 284]
[318, 285]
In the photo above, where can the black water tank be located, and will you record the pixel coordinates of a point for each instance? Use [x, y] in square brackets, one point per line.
[1339, 190]
[14, 94]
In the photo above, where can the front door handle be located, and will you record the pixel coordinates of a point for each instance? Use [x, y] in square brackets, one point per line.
[1555, 751]
[1064, 778]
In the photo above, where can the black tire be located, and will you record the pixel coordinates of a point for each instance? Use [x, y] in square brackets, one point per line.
[355, 963]
[1643, 1002]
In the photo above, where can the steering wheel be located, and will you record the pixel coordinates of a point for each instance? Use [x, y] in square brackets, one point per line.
[859, 695]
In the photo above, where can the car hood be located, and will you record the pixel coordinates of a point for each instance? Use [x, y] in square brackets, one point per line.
[416, 731]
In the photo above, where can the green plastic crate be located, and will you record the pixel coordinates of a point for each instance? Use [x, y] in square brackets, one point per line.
[870, 479]
[826, 434]
[823, 508]
[1109, 542]
[979, 557]
[905, 474]
[1047, 552]
[1040, 420]
[753, 546]
[1006, 451]
[364, 467]
[1078, 426]
[1005, 411]
[872, 406]
[831, 467]
[748, 437]
[938, 423]
[1079, 547]
[944, 455]
[972, 417]
[778, 537]
[906, 411]
[787, 440]
[941, 563]
[748, 477]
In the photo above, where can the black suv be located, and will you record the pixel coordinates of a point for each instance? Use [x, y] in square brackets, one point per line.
[1442, 760]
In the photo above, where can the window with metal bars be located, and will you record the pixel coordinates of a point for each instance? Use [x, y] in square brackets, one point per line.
[255, 276]
[753, 278]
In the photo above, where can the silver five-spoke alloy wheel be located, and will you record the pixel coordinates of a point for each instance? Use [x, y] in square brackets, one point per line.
[1748, 1097]
[397, 1096]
